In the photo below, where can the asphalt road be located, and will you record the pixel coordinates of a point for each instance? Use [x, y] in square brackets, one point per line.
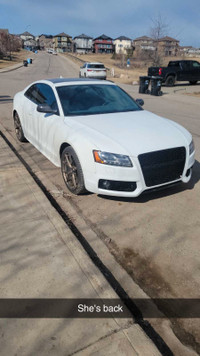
[154, 237]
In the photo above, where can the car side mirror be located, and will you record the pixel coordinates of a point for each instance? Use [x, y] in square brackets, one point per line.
[140, 102]
[45, 108]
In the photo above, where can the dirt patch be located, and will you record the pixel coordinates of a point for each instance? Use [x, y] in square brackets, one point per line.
[17, 57]
[115, 71]
[197, 94]
[118, 67]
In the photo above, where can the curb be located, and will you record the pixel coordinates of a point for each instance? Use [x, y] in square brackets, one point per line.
[11, 68]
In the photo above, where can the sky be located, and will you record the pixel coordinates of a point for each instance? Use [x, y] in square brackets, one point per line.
[114, 18]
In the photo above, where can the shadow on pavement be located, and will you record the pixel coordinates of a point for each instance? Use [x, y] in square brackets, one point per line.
[183, 84]
[5, 99]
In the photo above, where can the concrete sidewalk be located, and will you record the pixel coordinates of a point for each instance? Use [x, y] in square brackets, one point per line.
[41, 258]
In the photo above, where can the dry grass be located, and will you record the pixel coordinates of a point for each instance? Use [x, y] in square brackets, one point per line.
[17, 57]
[121, 74]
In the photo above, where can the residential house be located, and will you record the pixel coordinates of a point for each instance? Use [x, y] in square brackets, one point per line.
[45, 41]
[189, 51]
[143, 43]
[123, 45]
[183, 50]
[103, 44]
[62, 42]
[168, 46]
[28, 41]
[82, 44]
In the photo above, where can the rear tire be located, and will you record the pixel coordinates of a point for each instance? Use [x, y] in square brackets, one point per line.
[170, 81]
[72, 172]
[18, 128]
[193, 82]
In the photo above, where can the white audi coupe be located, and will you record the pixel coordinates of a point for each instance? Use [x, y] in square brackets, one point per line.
[101, 137]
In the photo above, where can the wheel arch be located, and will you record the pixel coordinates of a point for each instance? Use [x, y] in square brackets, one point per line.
[14, 112]
[62, 147]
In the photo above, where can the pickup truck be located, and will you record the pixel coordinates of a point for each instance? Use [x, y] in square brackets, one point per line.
[177, 71]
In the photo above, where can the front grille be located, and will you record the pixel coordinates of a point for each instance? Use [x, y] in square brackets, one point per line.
[164, 166]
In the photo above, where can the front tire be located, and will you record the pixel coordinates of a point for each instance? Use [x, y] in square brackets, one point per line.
[72, 172]
[18, 128]
[170, 81]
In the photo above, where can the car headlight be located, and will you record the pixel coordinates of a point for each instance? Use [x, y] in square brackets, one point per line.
[191, 147]
[112, 159]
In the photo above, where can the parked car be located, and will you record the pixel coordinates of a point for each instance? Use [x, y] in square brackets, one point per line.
[101, 137]
[93, 70]
[177, 71]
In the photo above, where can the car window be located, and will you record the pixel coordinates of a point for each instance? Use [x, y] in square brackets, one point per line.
[31, 93]
[45, 95]
[42, 93]
[195, 64]
[186, 65]
[174, 64]
[94, 99]
[96, 66]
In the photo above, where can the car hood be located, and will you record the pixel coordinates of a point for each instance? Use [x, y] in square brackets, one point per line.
[132, 132]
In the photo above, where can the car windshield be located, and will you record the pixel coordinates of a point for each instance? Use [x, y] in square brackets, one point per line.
[92, 99]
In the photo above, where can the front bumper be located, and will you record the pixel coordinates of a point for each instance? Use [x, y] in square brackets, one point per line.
[96, 76]
[132, 177]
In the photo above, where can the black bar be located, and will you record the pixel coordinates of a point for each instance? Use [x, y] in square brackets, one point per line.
[97, 308]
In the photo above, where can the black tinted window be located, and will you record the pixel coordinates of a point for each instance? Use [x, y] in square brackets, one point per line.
[186, 65]
[45, 95]
[31, 93]
[173, 64]
[96, 66]
[42, 93]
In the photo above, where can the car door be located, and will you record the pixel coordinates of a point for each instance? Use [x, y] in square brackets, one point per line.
[29, 123]
[47, 124]
[185, 73]
[195, 71]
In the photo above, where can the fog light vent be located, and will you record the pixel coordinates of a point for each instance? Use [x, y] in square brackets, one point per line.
[117, 185]
[188, 173]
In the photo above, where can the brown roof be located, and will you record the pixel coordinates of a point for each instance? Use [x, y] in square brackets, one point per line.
[26, 34]
[167, 38]
[62, 34]
[145, 38]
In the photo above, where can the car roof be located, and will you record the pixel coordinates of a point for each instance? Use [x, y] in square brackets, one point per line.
[74, 80]
[94, 63]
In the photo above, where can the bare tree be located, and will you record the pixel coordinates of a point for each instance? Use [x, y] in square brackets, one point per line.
[8, 44]
[157, 31]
